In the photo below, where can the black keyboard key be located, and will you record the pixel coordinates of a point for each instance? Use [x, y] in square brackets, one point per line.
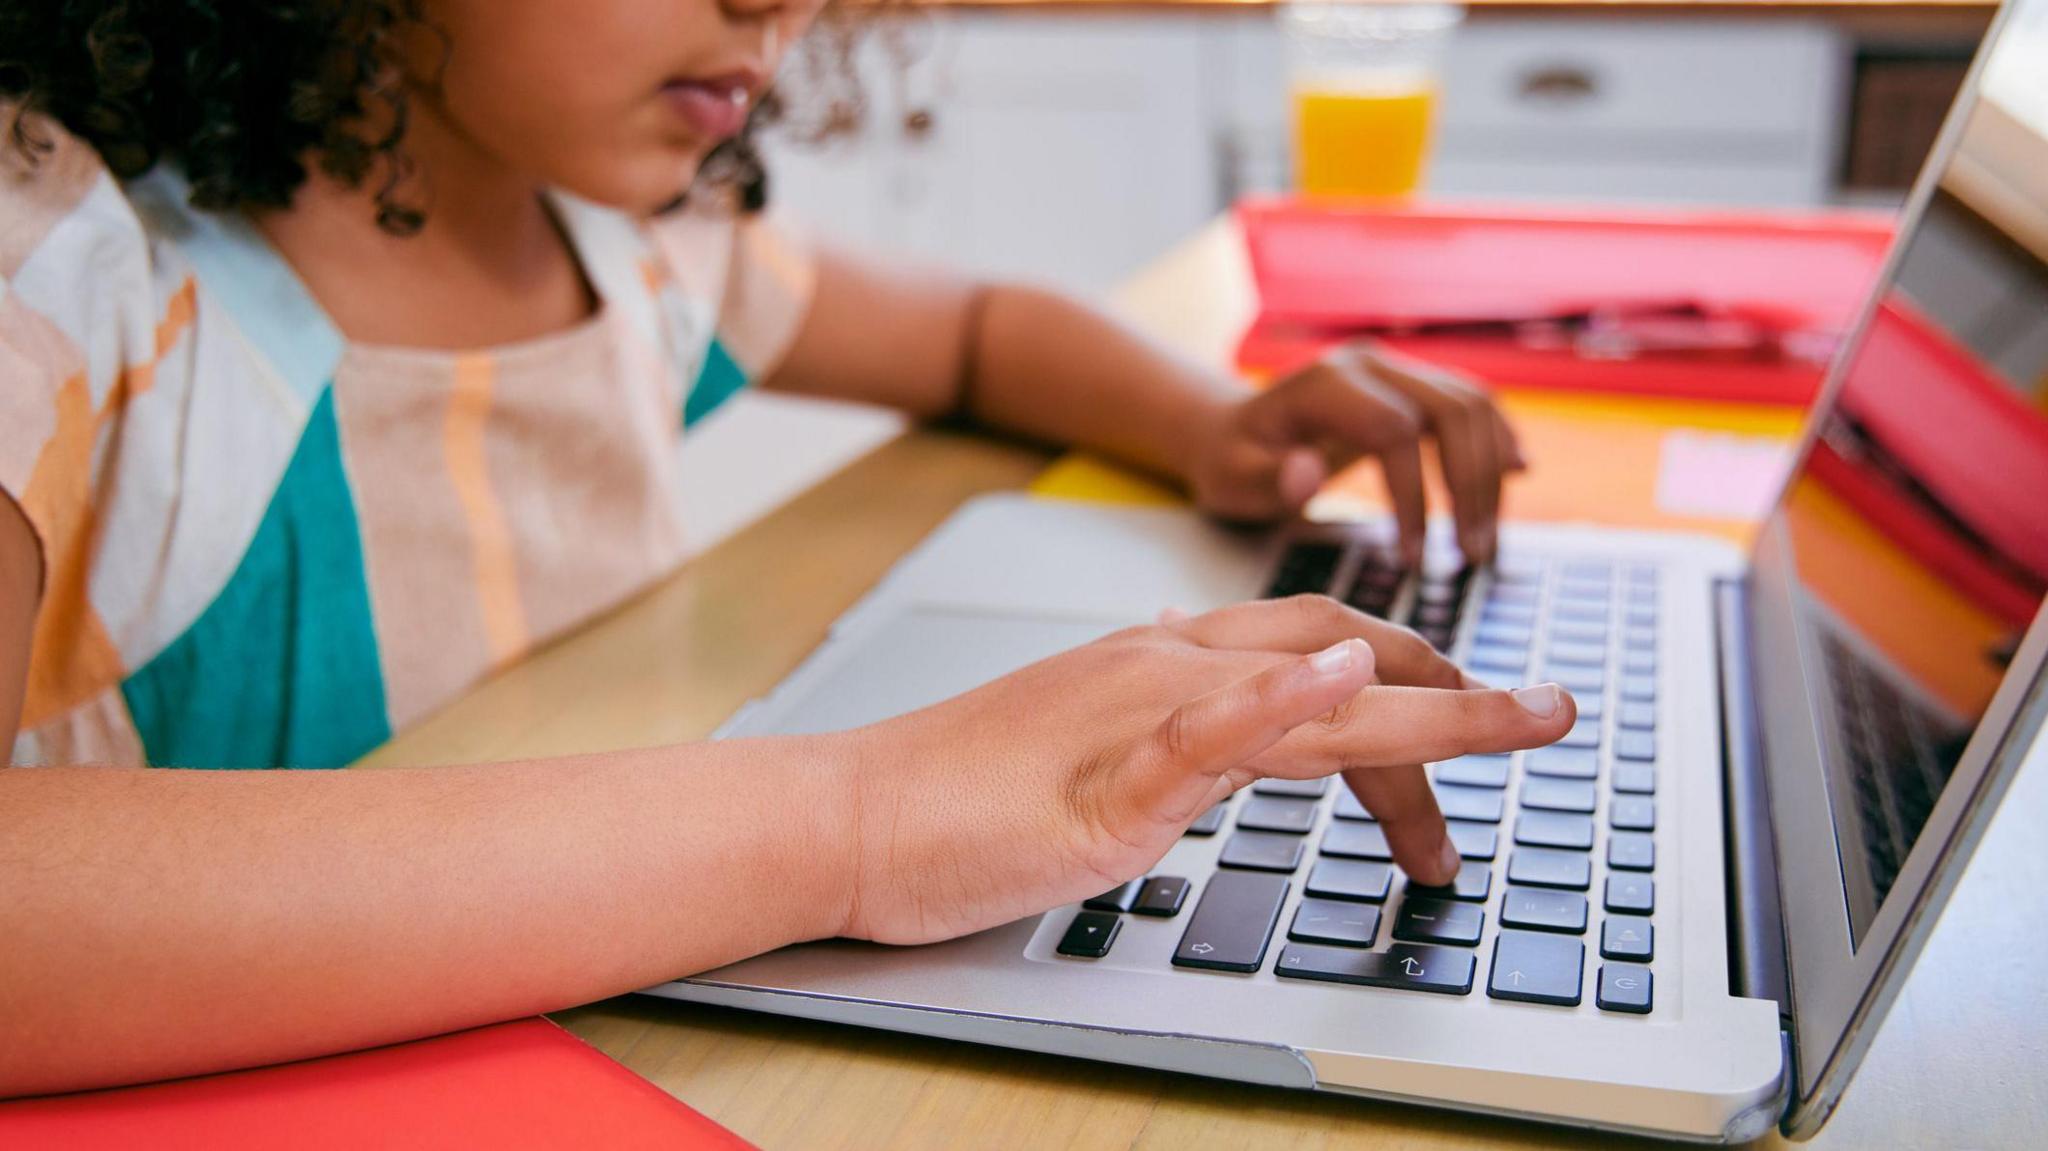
[1563, 762]
[1508, 612]
[1474, 771]
[1269, 813]
[1474, 880]
[1404, 966]
[1589, 682]
[1631, 894]
[1542, 793]
[1307, 566]
[1543, 910]
[1295, 788]
[1637, 745]
[1209, 822]
[1627, 937]
[1504, 634]
[1639, 716]
[1631, 851]
[1356, 841]
[1162, 895]
[1639, 688]
[1584, 734]
[1554, 829]
[1232, 922]
[1579, 631]
[1487, 660]
[1543, 867]
[1261, 851]
[1090, 934]
[1579, 609]
[1473, 840]
[1334, 921]
[1516, 594]
[1635, 778]
[1116, 898]
[1633, 813]
[1479, 804]
[1348, 807]
[1624, 987]
[1350, 879]
[1581, 654]
[1439, 921]
[1535, 968]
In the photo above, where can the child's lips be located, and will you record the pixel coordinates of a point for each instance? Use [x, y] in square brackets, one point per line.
[714, 108]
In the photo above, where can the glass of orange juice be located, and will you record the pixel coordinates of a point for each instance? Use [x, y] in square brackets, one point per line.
[1362, 79]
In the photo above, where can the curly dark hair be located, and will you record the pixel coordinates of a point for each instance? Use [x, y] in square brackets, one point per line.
[240, 93]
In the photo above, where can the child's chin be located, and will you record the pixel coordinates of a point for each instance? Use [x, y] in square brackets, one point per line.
[643, 191]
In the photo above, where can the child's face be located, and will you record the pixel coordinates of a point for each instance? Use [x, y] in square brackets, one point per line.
[617, 101]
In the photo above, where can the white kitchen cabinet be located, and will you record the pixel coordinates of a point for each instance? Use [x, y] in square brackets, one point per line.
[1067, 150]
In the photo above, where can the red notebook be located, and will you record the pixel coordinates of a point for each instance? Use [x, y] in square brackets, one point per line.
[1700, 305]
[527, 1084]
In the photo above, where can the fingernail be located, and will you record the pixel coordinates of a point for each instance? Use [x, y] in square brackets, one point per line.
[1450, 859]
[1540, 701]
[1336, 658]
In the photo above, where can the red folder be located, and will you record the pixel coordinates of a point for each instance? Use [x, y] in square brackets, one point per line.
[1430, 280]
[527, 1084]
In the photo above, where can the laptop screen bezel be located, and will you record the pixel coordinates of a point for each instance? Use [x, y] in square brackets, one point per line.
[1840, 989]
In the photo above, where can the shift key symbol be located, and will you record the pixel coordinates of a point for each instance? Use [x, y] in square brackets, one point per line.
[1413, 968]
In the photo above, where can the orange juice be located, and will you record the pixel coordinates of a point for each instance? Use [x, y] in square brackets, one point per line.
[1361, 141]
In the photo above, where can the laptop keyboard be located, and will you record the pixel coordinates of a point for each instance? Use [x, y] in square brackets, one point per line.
[1559, 853]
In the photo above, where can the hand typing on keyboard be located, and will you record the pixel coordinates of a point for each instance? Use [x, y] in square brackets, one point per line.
[1268, 454]
[1076, 774]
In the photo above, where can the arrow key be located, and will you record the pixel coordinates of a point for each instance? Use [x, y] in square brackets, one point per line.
[1537, 968]
[1090, 935]
[1624, 987]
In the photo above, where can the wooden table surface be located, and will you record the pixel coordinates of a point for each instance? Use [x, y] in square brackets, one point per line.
[1961, 1063]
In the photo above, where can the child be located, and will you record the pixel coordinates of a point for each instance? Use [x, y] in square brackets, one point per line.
[343, 345]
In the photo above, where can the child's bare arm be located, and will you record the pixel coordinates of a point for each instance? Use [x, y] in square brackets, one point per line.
[163, 923]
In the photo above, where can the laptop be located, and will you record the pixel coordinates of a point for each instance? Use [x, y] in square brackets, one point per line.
[1689, 917]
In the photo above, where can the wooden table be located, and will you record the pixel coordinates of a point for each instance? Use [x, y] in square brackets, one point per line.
[1960, 1064]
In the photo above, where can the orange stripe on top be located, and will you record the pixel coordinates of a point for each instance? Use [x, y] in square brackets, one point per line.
[71, 657]
[497, 579]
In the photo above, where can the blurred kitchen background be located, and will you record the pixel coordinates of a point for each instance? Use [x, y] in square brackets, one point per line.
[1068, 142]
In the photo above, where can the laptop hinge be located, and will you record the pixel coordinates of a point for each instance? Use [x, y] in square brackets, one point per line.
[1756, 926]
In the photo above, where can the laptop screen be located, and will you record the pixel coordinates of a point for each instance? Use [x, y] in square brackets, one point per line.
[1917, 522]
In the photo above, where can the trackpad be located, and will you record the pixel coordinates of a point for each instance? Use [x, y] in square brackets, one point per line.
[920, 656]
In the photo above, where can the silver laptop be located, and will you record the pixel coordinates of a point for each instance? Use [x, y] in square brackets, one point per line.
[1688, 918]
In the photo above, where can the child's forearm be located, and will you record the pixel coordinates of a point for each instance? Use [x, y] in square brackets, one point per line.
[337, 910]
[1046, 367]
[1014, 358]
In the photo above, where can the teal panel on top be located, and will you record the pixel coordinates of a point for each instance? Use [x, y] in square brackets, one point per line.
[281, 669]
[717, 381]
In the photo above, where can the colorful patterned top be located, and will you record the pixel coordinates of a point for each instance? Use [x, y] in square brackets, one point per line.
[266, 546]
